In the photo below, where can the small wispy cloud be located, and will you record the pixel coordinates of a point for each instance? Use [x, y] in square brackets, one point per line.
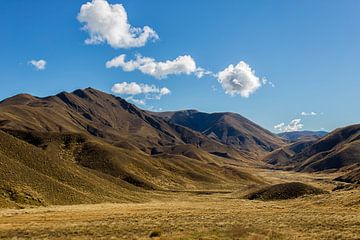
[133, 89]
[294, 125]
[308, 113]
[265, 81]
[136, 100]
[38, 64]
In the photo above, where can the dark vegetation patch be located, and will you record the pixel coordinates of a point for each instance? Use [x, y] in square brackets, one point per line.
[24, 195]
[350, 177]
[221, 154]
[155, 233]
[284, 191]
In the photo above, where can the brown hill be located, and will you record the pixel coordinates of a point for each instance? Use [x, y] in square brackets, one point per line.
[284, 191]
[105, 116]
[40, 168]
[228, 128]
[283, 155]
[89, 146]
[350, 177]
[338, 149]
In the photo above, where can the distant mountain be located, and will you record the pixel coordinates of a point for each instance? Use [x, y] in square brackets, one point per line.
[228, 128]
[283, 155]
[338, 149]
[302, 135]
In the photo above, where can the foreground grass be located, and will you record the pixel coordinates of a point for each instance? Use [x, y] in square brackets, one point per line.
[193, 216]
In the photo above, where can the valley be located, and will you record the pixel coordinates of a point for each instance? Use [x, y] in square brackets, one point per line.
[89, 165]
[197, 215]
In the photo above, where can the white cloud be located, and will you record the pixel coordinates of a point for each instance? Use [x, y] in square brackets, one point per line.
[265, 81]
[308, 113]
[239, 79]
[181, 65]
[294, 125]
[201, 72]
[38, 64]
[133, 88]
[136, 101]
[109, 23]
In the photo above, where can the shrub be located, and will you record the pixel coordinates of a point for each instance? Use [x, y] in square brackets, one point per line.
[155, 233]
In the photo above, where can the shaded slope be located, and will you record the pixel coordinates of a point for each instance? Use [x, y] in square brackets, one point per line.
[283, 155]
[42, 168]
[53, 168]
[31, 175]
[350, 177]
[228, 128]
[338, 149]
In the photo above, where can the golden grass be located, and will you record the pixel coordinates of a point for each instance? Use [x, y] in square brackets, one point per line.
[193, 216]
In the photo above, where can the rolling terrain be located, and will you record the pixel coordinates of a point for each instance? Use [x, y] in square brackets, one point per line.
[340, 148]
[336, 151]
[88, 147]
[87, 162]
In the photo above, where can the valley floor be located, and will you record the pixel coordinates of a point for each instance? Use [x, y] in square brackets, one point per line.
[193, 216]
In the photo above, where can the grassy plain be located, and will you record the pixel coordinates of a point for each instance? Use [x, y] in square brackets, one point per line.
[197, 215]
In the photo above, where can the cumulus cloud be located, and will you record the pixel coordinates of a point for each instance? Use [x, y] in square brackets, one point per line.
[181, 65]
[38, 64]
[308, 113]
[109, 23]
[294, 125]
[133, 88]
[239, 79]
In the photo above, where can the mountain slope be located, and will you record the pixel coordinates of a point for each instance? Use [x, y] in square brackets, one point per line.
[51, 168]
[338, 149]
[88, 146]
[283, 155]
[350, 177]
[33, 176]
[228, 128]
[111, 118]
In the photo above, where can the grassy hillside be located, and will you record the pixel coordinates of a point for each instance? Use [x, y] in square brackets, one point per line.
[51, 168]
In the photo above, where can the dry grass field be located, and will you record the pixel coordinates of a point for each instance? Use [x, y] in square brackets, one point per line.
[197, 215]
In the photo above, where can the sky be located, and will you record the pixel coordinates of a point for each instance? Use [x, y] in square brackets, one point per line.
[286, 65]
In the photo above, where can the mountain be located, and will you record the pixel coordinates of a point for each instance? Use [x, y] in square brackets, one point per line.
[88, 146]
[105, 116]
[302, 135]
[227, 128]
[283, 155]
[336, 150]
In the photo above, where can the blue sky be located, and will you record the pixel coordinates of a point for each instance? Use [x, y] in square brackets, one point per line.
[310, 50]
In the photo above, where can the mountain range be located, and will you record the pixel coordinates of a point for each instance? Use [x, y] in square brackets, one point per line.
[89, 146]
[302, 135]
